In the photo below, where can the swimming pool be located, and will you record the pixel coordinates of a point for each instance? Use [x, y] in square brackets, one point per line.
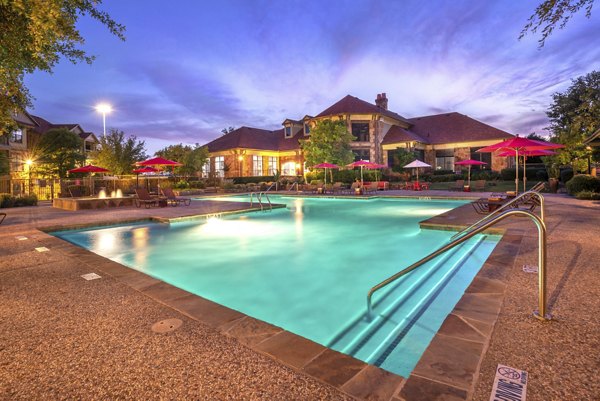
[308, 267]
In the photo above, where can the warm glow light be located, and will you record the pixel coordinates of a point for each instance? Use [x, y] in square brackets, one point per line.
[103, 108]
[240, 158]
[29, 162]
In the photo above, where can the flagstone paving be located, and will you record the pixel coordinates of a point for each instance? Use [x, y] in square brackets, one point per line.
[62, 337]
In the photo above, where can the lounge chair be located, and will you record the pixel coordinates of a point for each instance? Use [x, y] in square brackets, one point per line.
[2, 217]
[337, 188]
[173, 199]
[457, 186]
[144, 198]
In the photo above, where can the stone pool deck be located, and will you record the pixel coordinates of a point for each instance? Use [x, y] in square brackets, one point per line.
[62, 337]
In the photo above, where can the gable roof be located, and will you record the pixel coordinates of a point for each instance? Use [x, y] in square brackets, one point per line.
[454, 127]
[255, 138]
[353, 105]
[44, 125]
[398, 134]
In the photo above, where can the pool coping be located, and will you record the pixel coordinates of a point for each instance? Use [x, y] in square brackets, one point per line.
[449, 367]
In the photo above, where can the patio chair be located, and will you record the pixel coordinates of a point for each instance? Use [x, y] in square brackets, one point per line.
[370, 188]
[173, 199]
[2, 217]
[76, 191]
[144, 198]
[336, 187]
[458, 185]
[479, 185]
[424, 186]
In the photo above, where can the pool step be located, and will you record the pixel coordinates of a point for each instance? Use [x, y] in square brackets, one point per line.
[398, 311]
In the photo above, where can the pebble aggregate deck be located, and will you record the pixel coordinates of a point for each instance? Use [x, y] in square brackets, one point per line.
[62, 337]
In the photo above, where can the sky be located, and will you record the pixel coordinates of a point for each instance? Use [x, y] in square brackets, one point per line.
[190, 68]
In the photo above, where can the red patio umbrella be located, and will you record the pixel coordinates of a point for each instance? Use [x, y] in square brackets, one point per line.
[159, 161]
[90, 168]
[326, 166]
[362, 164]
[525, 153]
[518, 145]
[469, 163]
[138, 171]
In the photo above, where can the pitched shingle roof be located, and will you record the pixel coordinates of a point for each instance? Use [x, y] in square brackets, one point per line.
[255, 138]
[398, 134]
[354, 105]
[45, 125]
[454, 127]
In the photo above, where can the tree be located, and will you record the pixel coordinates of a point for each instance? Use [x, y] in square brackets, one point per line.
[34, 34]
[553, 13]
[574, 116]
[192, 158]
[401, 158]
[119, 154]
[329, 142]
[227, 130]
[58, 151]
[4, 165]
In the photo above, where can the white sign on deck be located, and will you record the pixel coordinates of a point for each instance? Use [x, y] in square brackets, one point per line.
[42, 249]
[510, 384]
[90, 276]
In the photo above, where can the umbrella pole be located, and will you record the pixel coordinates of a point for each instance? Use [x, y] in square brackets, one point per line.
[361, 178]
[469, 173]
[517, 171]
[325, 185]
[524, 173]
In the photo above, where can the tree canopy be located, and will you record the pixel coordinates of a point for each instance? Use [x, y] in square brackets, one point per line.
[329, 142]
[34, 35]
[553, 13]
[193, 158]
[119, 154]
[58, 151]
[574, 116]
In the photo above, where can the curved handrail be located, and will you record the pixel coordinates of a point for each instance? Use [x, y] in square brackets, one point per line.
[532, 192]
[541, 226]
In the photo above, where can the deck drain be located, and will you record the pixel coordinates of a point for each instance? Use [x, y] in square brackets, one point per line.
[167, 325]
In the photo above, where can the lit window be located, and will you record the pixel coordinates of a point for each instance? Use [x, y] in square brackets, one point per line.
[206, 168]
[361, 154]
[288, 168]
[288, 132]
[272, 166]
[220, 166]
[257, 165]
[306, 129]
[17, 136]
[444, 159]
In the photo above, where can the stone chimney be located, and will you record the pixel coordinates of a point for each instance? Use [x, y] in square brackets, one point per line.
[381, 101]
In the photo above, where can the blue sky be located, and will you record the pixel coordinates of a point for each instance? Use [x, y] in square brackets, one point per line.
[190, 68]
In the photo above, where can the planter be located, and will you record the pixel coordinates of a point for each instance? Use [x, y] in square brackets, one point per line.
[553, 183]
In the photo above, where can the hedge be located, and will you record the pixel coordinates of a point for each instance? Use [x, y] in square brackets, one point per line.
[587, 195]
[583, 182]
[7, 200]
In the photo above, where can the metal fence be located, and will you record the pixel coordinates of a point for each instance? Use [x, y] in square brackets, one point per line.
[48, 189]
[44, 189]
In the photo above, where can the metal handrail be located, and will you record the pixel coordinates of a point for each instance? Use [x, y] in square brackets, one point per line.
[297, 187]
[532, 192]
[541, 226]
[259, 197]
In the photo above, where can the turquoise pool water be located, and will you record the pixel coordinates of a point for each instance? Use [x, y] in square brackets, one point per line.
[308, 268]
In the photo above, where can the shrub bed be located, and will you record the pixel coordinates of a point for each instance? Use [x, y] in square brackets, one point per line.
[583, 183]
[588, 195]
[7, 200]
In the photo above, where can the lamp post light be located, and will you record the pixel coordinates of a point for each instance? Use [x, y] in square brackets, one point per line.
[104, 108]
[589, 159]
[29, 163]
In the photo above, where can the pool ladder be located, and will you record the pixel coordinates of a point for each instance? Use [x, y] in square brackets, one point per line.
[259, 198]
[482, 225]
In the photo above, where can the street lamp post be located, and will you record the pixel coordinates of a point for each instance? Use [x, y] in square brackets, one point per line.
[104, 108]
[29, 163]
